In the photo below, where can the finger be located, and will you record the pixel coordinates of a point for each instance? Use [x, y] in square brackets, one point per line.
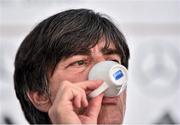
[94, 106]
[84, 99]
[77, 99]
[90, 84]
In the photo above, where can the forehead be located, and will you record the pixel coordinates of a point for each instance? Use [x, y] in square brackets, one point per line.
[87, 48]
[103, 43]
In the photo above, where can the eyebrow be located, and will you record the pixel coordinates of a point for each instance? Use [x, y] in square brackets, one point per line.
[109, 51]
[104, 51]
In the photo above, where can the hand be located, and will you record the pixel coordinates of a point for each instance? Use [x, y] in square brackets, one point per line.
[71, 96]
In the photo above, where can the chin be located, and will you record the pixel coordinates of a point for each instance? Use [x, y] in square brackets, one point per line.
[110, 114]
[109, 122]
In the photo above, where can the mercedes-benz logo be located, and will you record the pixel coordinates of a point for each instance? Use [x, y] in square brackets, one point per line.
[157, 68]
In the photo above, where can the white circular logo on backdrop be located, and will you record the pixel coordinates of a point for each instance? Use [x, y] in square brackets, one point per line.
[157, 68]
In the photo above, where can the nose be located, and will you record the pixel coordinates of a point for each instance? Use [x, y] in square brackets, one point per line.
[95, 59]
[99, 59]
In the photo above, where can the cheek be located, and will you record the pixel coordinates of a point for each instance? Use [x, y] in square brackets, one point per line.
[72, 76]
[122, 101]
[62, 76]
[76, 77]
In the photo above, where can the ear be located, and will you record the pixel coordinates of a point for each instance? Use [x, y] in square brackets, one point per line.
[40, 101]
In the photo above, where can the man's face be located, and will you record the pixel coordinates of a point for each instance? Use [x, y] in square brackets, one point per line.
[76, 69]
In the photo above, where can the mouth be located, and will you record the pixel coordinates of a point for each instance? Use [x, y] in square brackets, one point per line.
[110, 100]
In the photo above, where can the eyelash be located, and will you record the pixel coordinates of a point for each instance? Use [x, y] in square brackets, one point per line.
[78, 61]
[113, 59]
[85, 62]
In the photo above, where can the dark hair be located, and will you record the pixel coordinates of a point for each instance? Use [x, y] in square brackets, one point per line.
[59, 36]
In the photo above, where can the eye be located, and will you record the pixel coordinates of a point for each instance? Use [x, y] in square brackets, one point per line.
[115, 60]
[79, 63]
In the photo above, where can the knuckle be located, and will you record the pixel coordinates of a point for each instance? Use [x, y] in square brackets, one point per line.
[52, 112]
[82, 92]
[64, 84]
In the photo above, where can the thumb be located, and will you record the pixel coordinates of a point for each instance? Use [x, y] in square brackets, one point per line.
[94, 106]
